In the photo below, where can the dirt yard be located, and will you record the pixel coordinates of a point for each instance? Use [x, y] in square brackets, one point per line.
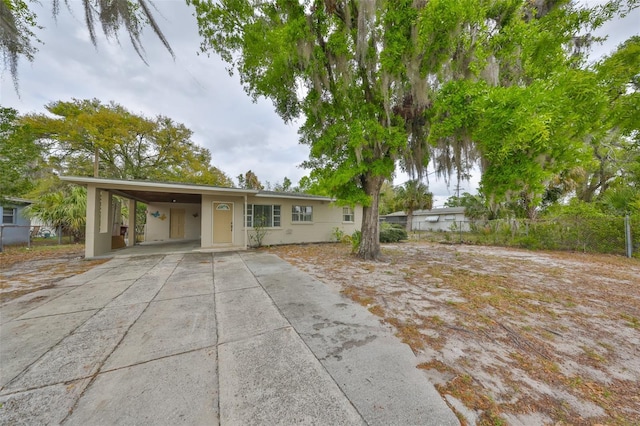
[24, 270]
[508, 336]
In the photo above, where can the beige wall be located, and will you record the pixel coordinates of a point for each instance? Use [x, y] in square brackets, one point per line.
[158, 229]
[99, 222]
[326, 217]
[207, 218]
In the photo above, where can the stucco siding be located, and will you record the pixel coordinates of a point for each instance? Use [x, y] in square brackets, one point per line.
[325, 217]
[207, 218]
[159, 221]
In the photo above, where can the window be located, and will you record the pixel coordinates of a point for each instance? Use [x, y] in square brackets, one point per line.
[450, 217]
[432, 218]
[9, 215]
[301, 214]
[263, 215]
[347, 214]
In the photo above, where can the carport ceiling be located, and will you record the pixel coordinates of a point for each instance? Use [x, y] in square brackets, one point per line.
[160, 197]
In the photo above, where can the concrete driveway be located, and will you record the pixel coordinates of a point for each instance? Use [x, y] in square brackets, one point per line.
[205, 339]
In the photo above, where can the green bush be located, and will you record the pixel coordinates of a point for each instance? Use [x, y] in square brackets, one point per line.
[392, 234]
[355, 241]
[337, 234]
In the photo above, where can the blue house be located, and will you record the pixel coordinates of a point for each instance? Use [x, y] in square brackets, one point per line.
[15, 226]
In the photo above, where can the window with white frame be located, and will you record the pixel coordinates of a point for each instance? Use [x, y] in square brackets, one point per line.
[266, 215]
[9, 215]
[347, 214]
[301, 214]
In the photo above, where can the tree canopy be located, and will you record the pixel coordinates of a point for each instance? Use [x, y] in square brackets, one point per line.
[249, 181]
[413, 195]
[19, 155]
[125, 145]
[381, 82]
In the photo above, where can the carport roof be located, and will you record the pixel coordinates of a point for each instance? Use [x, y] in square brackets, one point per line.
[153, 191]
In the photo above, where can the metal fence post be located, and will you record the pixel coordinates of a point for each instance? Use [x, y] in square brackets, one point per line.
[1, 228]
[627, 235]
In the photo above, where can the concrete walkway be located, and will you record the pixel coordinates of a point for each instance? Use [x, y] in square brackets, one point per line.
[204, 339]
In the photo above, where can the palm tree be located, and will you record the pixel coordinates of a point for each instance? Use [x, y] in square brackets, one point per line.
[17, 22]
[414, 195]
[64, 209]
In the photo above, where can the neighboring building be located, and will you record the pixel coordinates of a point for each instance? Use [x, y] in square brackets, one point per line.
[442, 219]
[397, 218]
[218, 217]
[15, 224]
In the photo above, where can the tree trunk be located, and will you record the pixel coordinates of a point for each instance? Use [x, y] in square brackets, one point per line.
[96, 162]
[370, 238]
[409, 223]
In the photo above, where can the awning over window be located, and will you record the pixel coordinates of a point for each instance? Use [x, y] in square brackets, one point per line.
[432, 218]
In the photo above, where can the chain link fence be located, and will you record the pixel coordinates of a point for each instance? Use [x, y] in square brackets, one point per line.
[26, 236]
[614, 235]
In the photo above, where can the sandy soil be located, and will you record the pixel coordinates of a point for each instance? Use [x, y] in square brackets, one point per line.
[23, 271]
[508, 336]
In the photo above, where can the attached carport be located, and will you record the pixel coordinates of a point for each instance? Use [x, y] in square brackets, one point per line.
[100, 208]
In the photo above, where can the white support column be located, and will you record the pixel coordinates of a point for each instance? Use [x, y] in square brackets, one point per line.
[132, 223]
[244, 221]
[92, 226]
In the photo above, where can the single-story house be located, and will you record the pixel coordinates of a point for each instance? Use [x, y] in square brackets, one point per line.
[218, 217]
[442, 219]
[16, 226]
[396, 218]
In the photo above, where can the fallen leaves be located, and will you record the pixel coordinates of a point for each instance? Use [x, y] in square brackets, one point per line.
[536, 335]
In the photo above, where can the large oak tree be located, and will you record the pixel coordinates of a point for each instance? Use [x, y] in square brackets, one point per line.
[366, 75]
[89, 138]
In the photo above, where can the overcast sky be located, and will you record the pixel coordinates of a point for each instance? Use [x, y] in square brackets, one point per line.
[195, 90]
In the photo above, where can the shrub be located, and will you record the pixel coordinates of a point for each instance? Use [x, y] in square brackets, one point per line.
[392, 234]
[337, 234]
[355, 241]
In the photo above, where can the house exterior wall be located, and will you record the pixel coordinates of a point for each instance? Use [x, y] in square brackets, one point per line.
[238, 233]
[445, 222]
[17, 232]
[159, 219]
[326, 216]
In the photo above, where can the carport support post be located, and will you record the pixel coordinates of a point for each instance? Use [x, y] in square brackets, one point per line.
[244, 218]
[131, 241]
[93, 221]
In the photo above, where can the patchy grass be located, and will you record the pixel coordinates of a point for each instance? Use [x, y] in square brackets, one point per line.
[533, 337]
[25, 270]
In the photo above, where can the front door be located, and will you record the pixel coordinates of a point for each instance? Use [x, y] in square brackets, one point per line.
[222, 223]
[176, 223]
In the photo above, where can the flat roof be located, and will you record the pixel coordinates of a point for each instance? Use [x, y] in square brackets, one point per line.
[149, 191]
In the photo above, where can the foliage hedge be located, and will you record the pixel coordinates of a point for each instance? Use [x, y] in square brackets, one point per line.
[601, 234]
[392, 233]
